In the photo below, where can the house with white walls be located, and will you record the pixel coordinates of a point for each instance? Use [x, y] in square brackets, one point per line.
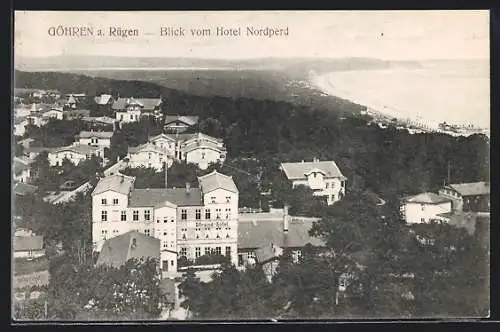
[150, 156]
[425, 207]
[131, 109]
[95, 138]
[323, 177]
[74, 153]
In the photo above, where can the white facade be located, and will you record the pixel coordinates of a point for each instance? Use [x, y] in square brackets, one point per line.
[415, 213]
[20, 128]
[96, 140]
[74, 153]
[148, 156]
[24, 176]
[130, 115]
[55, 114]
[333, 189]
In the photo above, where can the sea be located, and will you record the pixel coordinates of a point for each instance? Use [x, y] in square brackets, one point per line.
[455, 92]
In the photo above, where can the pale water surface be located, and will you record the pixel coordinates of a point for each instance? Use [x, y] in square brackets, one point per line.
[457, 92]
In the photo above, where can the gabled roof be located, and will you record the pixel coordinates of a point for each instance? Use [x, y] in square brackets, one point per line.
[101, 119]
[472, 188]
[201, 136]
[22, 189]
[204, 145]
[147, 104]
[216, 180]
[427, 198]
[117, 182]
[146, 147]
[186, 119]
[157, 197]
[98, 134]
[77, 148]
[118, 250]
[71, 100]
[162, 136]
[103, 99]
[296, 171]
[258, 234]
[25, 243]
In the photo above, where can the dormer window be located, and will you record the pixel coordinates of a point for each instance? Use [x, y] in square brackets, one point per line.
[212, 199]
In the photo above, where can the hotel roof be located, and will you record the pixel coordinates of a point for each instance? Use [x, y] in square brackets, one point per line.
[258, 234]
[156, 197]
[427, 198]
[216, 180]
[118, 250]
[471, 189]
[117, 182]
[296, 171]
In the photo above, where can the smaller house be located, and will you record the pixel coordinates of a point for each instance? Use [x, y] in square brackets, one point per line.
[149, 155]
[22, 171]
[116, 251]
[95, 138]
[74, 153]
[131, 109]
[473, 196]
[425, 207]
[54, 113]
[30, 246]
[203, 150]
[20, 124]
[323, 177]
[179, 123]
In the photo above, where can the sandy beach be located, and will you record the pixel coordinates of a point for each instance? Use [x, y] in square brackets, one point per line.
[427, 97]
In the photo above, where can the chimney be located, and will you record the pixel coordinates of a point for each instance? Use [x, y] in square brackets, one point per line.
[166, 178]
[188, 187]
[285, 219]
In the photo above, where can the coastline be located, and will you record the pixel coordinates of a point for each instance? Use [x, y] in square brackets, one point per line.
[385, 114]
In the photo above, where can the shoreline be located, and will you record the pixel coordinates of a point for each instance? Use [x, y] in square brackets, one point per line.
[385, 114]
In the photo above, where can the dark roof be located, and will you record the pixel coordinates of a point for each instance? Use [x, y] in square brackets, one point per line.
[258, 234]
[154, 197]
[427, 198]
[118, 250]
[294, 171]
[187, 119]
[216, 180]
[25, 243]
[472, 189]
[22, 189]
[148, 104]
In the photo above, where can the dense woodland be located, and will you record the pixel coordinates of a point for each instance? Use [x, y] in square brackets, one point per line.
[259, 134]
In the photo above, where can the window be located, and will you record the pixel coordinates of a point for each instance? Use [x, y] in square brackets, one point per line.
[218, 251]
[212, 199]
[172, 263]
[123, 216]
[327, 185]
[198, 214]
[183, 252]
[228, 251]
[135, 216]
[149, 155]
[131, 117]
[165, 219]
[104, 216]
[197, 252]
[203, 155]
[147, 215]
[121, 117]
[207, 251]
[146, 231]
[423, 207]
[314, 174]
[422, 219]
[251, 254]
[228, 213]
[104, 201]
[217, 213]
[115, 201]
[184, 214]
[228, 199]
[207, 214]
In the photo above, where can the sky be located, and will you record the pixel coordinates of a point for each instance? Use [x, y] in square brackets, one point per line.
[391, 35]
